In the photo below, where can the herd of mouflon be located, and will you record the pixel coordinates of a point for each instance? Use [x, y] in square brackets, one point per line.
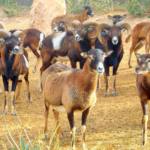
[95, 46]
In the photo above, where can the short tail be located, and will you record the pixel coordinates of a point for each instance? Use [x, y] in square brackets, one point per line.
[128, 38]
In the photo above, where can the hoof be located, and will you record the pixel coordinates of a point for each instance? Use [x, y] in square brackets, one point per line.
[73, 148]
[46, 137]
[144, 143]
[84, 146]
[114, 94]
[1, 91]
[4, 113]
[130, 66]
[107, 94]
[34, 70]
[13, 113]
[30, 100]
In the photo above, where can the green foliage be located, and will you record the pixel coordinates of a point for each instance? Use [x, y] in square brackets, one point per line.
[134, 7]
[75, 6]
[11, 8]
[23, 145]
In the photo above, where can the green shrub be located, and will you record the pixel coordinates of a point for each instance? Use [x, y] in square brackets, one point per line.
[134, 7]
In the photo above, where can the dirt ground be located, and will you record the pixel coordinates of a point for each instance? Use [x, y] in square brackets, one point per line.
[113, 124]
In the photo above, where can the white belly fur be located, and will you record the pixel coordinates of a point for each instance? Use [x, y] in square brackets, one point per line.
[59, 108]
[57, 40]
[26, 61]
[42, 36]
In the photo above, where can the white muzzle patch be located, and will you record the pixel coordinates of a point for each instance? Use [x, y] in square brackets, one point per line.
[100, 68]
[56, 29]
[115, 40]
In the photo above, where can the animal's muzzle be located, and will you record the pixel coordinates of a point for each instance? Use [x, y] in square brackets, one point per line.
[115, 40]
[77, 37]
[16, 48]
[56, 29]
[100, 68]
[91, 14]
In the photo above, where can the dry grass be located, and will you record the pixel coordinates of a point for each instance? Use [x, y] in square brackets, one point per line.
[114, 123]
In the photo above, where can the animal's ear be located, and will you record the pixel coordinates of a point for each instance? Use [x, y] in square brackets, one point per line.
[62, 24]
[110, 17]
[106, 54]
[138, 57]
[104, 32]
[84, 54]
[124, 16]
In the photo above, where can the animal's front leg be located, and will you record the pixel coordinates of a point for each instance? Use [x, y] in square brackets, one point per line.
[106, 85]
[6, 103]
[5, 82]
[73, 128]
[12, 95]
[114, 92]
[12, 98]
[84, 119]
[145, 120]
[28, 87]
[36, 65]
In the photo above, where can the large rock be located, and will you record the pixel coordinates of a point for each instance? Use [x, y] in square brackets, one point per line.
[43, 11]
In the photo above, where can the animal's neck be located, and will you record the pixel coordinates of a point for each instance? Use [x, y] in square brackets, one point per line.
[113, 47]
[83, 16]
[16, 61]
[85, 45]
[90, 76]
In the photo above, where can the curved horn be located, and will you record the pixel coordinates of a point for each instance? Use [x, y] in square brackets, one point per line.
[2, 25]
[126, 26]
[18, 33]
[73, 25]
[148, 60]
[4, 33]
[90, 26]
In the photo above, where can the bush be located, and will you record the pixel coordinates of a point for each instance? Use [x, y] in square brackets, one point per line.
[134, 7]
[11, 7]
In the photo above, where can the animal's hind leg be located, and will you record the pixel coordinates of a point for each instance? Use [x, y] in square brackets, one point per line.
[18, 89]
[136, 45]
[46, 120]
[36, 65]
[35, 52]
[28, 86]
[73, 128]
[145, 120]
[84, 119]
[57, 129]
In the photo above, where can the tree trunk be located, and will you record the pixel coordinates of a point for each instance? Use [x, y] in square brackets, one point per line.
[43, 11]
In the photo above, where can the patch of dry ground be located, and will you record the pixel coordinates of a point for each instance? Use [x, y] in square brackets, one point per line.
[114, 123]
